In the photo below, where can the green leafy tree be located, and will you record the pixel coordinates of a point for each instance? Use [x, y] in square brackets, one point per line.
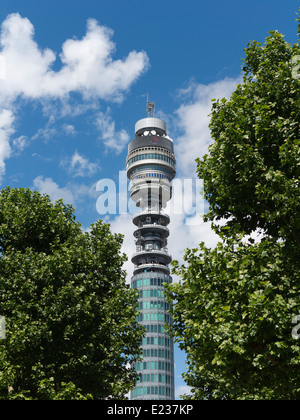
[71, 328]
[234, 308]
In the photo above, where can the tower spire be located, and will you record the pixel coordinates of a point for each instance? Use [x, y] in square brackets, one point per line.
[150, 107]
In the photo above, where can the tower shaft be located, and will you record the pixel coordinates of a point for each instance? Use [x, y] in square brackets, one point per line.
[151, 166]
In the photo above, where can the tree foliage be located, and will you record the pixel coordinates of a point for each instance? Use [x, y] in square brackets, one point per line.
[252, 171]
[71, 326]
[233, 309]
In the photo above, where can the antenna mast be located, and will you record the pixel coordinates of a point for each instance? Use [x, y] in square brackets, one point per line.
[150, 107]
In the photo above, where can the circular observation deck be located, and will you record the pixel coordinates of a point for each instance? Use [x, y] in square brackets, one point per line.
[150, 217]
[151, 267]
[163, 231]
[152, 158]
[153, 256]
[150, 123]
[150, 141]
[151, 152]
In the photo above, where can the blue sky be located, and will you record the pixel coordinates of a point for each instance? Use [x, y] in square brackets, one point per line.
[74, 78]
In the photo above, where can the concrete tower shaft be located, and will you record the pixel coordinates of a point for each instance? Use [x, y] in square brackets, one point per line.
[151, 166]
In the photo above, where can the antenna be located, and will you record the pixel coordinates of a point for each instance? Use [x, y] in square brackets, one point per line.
[150, 107]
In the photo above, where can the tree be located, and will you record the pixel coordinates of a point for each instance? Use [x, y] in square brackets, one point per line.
[71, 328]
[234, 308]
[252, 171]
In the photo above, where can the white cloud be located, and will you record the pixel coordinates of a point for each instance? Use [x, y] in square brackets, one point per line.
[2, 67]
[87, 68]
[26, 64]
[6, 129]
[114, 140]
[48, 186]
[79, 166]
[69, 129]
[181, 390]
[87, 64]
[123, 224]
[184, 236]
[45, 133]
[72, 193]
[20, 143]
[192, 119]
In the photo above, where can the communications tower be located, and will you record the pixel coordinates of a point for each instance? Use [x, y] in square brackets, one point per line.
[151, 166]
